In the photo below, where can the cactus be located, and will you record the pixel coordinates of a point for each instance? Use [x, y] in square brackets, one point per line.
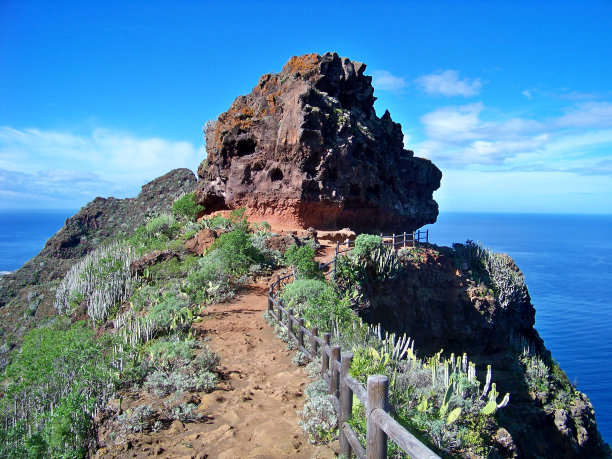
[492, 404]
[102, 277]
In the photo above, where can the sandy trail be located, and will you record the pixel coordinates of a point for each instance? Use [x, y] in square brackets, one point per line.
[252, 413]
[254, 407]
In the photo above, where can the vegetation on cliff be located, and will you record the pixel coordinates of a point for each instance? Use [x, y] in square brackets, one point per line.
[455, 408]
[124, 322]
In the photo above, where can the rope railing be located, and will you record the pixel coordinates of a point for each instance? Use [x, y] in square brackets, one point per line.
[334, 371]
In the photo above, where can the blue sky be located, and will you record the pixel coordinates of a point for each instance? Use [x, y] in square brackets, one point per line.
[512, 100]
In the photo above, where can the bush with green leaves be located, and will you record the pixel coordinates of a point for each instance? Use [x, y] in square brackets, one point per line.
[304, 293]
[138, 419]
[187, 207]
[302, 260]
[236, 249]
[162, 225]
[179, 369]
[272, 256]
[58, 379]
[186, 412]
[216, 222]
[209, 282]
[171, 313]
[365, 244]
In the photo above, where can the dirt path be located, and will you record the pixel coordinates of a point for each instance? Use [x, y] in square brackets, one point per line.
[254, 408]
[251, 414]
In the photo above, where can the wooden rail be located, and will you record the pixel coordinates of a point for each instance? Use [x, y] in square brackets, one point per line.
[396, 241]
[405, 239]
[335, 368]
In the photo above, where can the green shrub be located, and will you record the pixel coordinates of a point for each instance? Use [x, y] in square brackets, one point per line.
[306, 293]
[332, 313]
[302, 259]
[238, 220]
[57, 379]
[178, 370]
[138, 419]
[209, 282]
[169, 355]
[237, 251]
[365, 244]
[164, 314]
[187, 207]
[216, 222]
[318, 418]
[164, 224]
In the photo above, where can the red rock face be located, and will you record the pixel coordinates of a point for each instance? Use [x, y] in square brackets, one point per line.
[306, 148]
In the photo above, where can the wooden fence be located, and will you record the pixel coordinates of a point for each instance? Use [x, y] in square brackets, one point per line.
[335, 371]
[397, 241]
[406, 239]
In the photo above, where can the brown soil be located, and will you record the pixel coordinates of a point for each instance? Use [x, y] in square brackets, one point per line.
[252, 413]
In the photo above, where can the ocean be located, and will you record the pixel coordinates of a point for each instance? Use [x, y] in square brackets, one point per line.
[23, 233]
[566, 260]
[567, 263]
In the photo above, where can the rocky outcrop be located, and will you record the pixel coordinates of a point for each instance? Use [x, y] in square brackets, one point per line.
[305, 148]
[201, 241]
[139, 266]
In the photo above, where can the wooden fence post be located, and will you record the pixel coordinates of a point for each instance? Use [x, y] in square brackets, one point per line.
[324, 356]
[427, 236]
[378, 397]
[300, 333]
[346, 404]
[280, 312]
[336, 257]
[314, 345]
[334, 385]
[270, 303]
[289, 321]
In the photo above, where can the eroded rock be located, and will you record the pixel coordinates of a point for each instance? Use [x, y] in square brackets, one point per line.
[201, 241]
[305, 148]
[137, 267]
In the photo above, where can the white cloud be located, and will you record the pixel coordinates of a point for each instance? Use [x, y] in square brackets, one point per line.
[587, 114]
[527, 94]
[67, 166]
[457, 123]
[577, 141]
[447, 83]
[384, 80]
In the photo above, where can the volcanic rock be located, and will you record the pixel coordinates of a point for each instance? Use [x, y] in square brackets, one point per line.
[282, 243]
[305, 148]
[137, 267]
[201, 241]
